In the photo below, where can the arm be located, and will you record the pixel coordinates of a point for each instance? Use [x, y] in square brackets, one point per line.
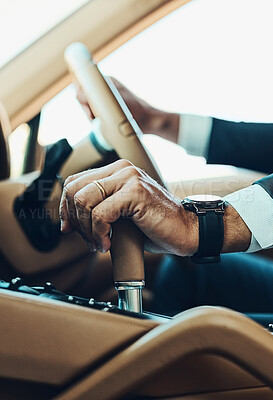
[246, 145]
[131, 193]
[255, 206]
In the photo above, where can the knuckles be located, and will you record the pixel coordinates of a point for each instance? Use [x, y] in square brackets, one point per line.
[67, 190]
[135, 180]
[123, 163]
[79, 201]
[77, 198]
[68, 180]
[96, 217]
[133, 171]
[138, 185]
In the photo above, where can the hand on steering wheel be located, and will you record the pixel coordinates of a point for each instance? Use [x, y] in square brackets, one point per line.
[141, 111]
[150, 119]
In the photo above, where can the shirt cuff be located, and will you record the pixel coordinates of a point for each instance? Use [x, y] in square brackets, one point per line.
[255, 207]
[194, 134]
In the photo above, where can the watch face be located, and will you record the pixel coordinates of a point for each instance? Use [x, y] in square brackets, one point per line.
[204, 198]
[204, 201]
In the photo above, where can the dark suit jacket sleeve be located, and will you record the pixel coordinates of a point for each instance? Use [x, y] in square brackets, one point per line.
[246, 145]
[267, 184]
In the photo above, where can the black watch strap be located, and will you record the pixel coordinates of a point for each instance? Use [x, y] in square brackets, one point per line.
[211, 236]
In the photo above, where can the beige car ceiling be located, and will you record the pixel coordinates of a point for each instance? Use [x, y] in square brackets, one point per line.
[36, 75]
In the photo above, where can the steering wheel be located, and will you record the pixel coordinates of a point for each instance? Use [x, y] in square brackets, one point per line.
[121, 133]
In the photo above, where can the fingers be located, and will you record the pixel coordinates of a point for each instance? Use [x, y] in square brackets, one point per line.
[66, 226]
[87, 110]
[89, 198]
[106, 213]
[129, 192]
[84, 202]
[80, 96]
[74, 183]
[84, 218]
[128, 201]
[118, 84]
[89, 212]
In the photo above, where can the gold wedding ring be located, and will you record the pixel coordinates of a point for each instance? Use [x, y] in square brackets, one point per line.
[101, 189]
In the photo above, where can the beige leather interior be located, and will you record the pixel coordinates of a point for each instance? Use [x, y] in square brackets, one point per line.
[79, 353]
[53, 342]
[19, 253]
[25, 258]
[202, 351]
[209, 181]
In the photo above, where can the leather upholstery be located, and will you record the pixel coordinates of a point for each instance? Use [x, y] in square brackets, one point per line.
[51, 342]
[234, 356]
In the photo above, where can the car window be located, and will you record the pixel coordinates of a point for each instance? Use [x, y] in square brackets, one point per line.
[63, 117]
[208, 58]
[23, 22]
[17, 144]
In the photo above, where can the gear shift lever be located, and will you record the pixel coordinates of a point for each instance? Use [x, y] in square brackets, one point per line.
[122, 133]
[128, 266]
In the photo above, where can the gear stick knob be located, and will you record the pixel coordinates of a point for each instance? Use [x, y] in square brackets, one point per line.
[128, 264]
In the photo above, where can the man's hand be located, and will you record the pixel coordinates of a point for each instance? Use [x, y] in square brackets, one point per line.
[125, 190]
[149, 119]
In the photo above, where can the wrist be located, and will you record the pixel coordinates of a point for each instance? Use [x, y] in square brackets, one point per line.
[237, 235]
[190, 232]
[161, 123]
[209, 210]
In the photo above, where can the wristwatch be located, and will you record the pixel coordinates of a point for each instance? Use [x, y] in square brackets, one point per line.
[210, 211]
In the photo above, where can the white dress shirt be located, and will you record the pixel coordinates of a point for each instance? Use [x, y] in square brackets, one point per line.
[253, 204]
